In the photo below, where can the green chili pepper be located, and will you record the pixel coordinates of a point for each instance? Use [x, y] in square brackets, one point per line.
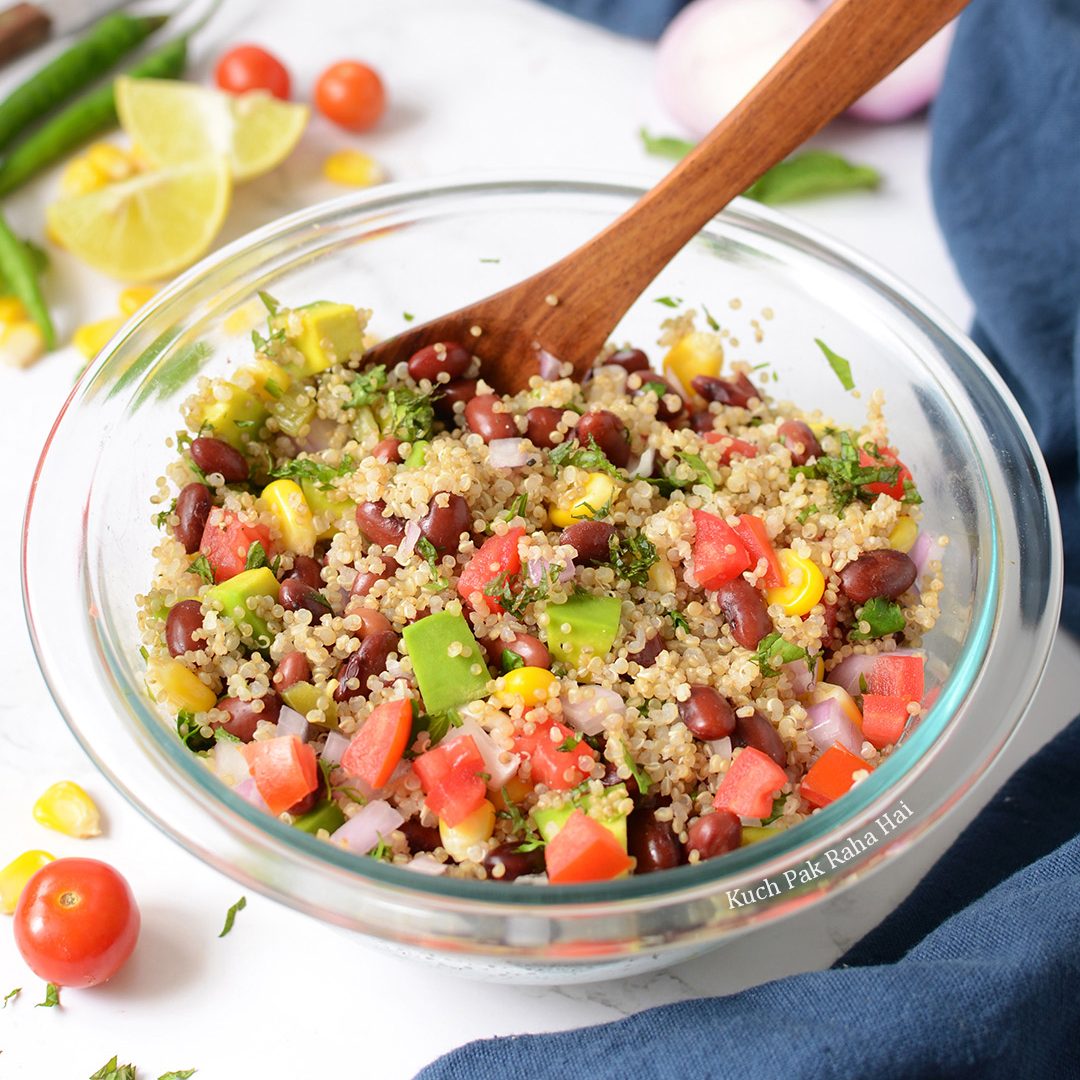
[82, 64]
[18, 269]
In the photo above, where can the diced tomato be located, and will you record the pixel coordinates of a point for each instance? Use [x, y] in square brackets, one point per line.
[897, 676]
[755, 537]
[730, 446]
[450, 774]
[284, 770]
[888, 458]
[884, 719]
[719, 553]
[225, 543]
[749, 786]
[557, 768]
[832, 775]
[377, 747]
[583, 850]
[497, 555]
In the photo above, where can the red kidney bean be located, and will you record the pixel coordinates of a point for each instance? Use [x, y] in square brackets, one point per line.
[541, 422]
[515, 863]
[737, 390]
[630, 359]
[308, 570]
[217, 456]
[832, 620]
[489, 424]
[193, 506]
[243, 717]
[714, 834]
[800, 440]
[533, 652]
[296, 594]
[371, 622]
[609, 433]
[745, 610]
[442, 525]
[180, 626]
[370, 659]
[364, 581]
[463, 390]
[758, 732]
[647, 654]
[707, 714]
[388, 450]
[650, 383]
[653, 843]
[590, 539]
[611, 777]
[702, 422]
[312, 798]
[292, 668]
[376, 526]
[430, 361]
[420, 837]
[885, 573]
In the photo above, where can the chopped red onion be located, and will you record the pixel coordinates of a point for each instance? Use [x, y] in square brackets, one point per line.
[801, 676]
[423, 863]
[924, 551]
[645, 463]
[408, 541]
[230, 763]
[247, 791]
[336, 744]
[320, 435]
[375, 821]
[508, 453]
[290, 722]
[829, 724]
[500, 771]
[550, 366]
[585, 708]
[722, 746]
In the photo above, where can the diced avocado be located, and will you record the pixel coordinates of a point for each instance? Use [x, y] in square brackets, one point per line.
[330, 334]
[448, 663]
[365, 426]
[327, 503]
[549, 822]
[582, 627]
[417, 455]
[327, 815]
[303, 697]
[237, 421]
[232, 597]
[751, 834]
[294, 409]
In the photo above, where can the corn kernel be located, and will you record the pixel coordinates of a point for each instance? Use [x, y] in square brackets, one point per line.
[529, 684]
[828, 692]
[16, 874]
[66, 808]
[697, 353]
[91, 338]
[517, 791]
[12, 310]
[803, 585]
[475, 829]
[134, 297]
[600, 491]
[285, 500]
[80, 177]
[353, 169]
[111, 161]
[180, 686]
[662, 577]
[902, 538]
[21, 343]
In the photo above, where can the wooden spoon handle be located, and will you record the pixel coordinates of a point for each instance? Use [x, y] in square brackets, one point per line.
[848, 50]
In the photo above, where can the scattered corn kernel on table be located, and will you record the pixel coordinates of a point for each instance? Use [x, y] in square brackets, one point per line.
[572, 97]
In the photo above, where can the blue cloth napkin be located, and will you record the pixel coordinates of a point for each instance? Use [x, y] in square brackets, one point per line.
[977, 973]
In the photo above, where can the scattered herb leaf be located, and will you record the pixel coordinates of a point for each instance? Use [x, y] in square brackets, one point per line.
[777, 810]
[714, 326]
[521, 825]
[112, 1071]
[428, 553]
[840, 366]
[161, 519]
[367, 386]
[515, 594]
[491, 260]
[665, 146]
[644, 782]
[319, 473]
[803, 514]
[883, 616]
[411, 414]
[569, 744]
[668, 301]
[810, 174]
[773, 651]
[518, 508]
[382, 850]
[408, 316]
[631, 557]
[52, 997]
[911, 494]
[256, 556]
[269, 302]
[190, 732]
[230, 915]
[10, 996]
[510, 661]
[272, 388]
[700, 468]
[847, 479]
[590, 458]
[679, 621]
[178, 1074]
[202, 567]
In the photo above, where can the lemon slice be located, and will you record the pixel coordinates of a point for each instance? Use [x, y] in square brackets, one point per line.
[147, 227]
[173, 123]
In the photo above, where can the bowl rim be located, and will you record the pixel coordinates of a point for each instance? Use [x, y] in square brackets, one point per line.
[902, 768]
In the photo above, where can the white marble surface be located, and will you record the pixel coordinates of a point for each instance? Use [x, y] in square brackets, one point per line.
[474, 84]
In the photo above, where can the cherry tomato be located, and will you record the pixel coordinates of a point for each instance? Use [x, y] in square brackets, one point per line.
[247, 67]
[76, 922]
[351, 94]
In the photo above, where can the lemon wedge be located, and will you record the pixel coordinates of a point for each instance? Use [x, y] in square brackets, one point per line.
[148, 227]
[174, 122]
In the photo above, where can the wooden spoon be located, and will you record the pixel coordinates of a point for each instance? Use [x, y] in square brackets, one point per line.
[571, 308]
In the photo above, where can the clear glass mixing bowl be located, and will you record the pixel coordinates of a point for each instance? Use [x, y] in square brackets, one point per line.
[429, 249]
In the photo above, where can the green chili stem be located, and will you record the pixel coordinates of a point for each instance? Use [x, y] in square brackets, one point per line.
[17, 267]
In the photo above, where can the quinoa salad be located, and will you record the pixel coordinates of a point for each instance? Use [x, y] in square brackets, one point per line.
[588, 630]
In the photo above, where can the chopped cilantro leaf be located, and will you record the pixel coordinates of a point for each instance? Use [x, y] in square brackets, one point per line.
[773, 651]
[631, 557]
[178, 1074]
[679, 621]
[317, 472]
[714, 326]
[202, 567]
[256, 556]
[162, 519]
[515, 595]
[700, 468]
[590, 458]
[408, 316]
[777, 810]
[269, 302]
[668, 301]
[113, 1071]
[883, 616]
[190, 732]
[428, 553]
[803, 514]
[665, 146]
[382, 850]
[568, 744]
[367, 386]
[510, 661]
[411, 414]
[494, 259]
[847, 478]
[230, 915]
[841, 367]
[521, 825]
[644, 782]
[10, 996]
[272, 388]
[911, 494]
[519, 507]
[52, 997]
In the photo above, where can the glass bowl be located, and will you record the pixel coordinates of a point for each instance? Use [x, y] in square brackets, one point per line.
[424, 250]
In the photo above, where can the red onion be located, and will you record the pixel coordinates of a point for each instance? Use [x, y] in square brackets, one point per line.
[585, 708]
[550, 366]
[830, 724]
[423, 863]
[508, 453]
[537, 570]
[498, 770]
[800, 674]
[335, 745]
[645, 463]
[290, 722]
[408, 541]
[924, 551]
[850, 672]
[250, 793]
[722, 746]
[230, 763]
[375, 821]
[320, 436]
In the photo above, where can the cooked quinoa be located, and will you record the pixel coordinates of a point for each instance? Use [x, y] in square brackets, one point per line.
[492, 636]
